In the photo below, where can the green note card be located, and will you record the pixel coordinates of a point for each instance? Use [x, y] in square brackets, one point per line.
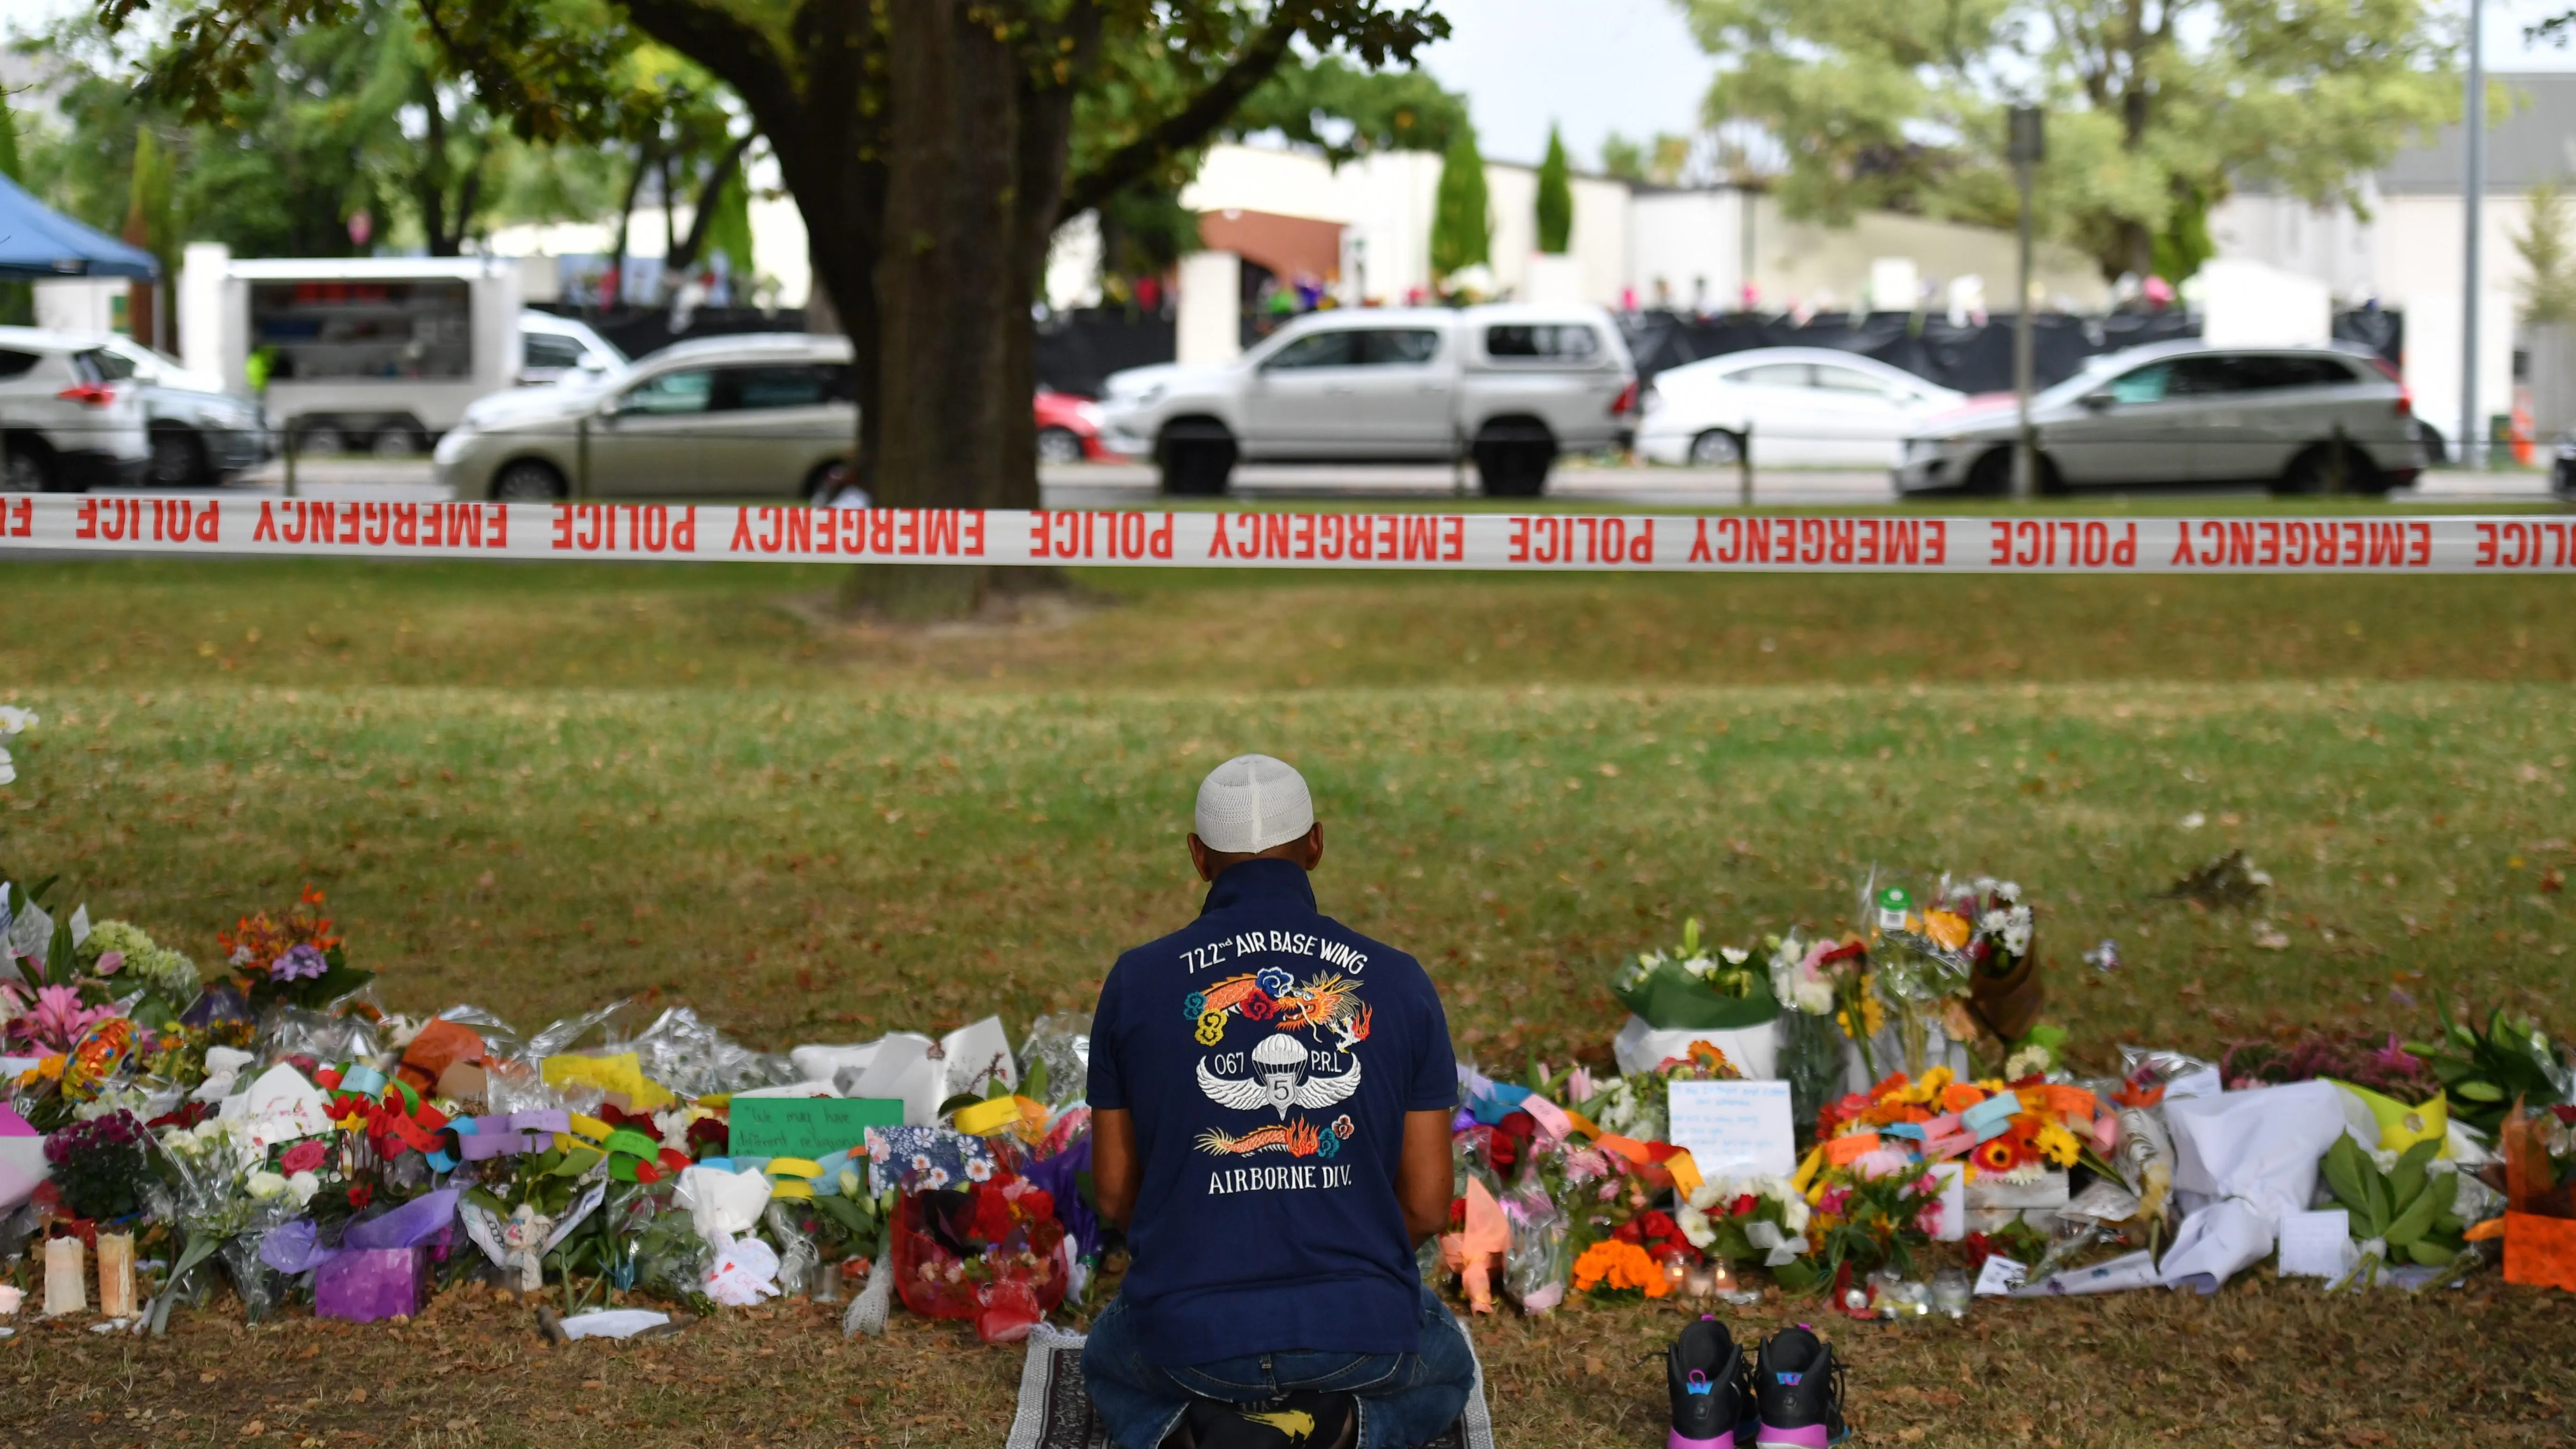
[807, 1126]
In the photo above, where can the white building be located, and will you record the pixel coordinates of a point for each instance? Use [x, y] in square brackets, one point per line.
[1365, 229]
[2405, 248]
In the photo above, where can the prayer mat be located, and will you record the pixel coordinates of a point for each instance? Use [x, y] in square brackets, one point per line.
[1055, 1411]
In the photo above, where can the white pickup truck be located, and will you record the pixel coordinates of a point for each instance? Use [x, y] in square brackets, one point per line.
[1511, 386]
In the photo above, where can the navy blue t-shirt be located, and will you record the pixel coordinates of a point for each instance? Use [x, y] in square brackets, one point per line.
[1269, 1054]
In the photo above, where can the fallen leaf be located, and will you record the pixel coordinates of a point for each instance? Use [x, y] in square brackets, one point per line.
[1912, 1435]
[253, 1429]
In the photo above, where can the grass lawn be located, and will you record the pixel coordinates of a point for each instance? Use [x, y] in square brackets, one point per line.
[539, 788]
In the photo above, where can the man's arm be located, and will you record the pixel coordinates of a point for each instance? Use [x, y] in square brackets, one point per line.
[1424, 1179]
[1116, 1174]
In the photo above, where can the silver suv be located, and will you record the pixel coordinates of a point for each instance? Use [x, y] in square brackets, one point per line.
[1512, 386]
[765, 415]
[2303, 419]
[71, 416]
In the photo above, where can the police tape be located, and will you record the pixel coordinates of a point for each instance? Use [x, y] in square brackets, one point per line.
[1509, 542]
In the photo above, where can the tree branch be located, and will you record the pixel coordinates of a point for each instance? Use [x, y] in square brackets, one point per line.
[1186, 126]
[687, 255]
[737, 53]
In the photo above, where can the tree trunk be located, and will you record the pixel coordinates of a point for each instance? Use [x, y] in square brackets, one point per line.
[947, 286]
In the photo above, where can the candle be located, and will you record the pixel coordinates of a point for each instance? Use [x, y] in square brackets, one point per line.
[66, 1285]
[116, 1275]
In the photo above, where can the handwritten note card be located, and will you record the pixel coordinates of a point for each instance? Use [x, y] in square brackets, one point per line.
[1732, 1129]
[807, 1126]
[2317, 1245]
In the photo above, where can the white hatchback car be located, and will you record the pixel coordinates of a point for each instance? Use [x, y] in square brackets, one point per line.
[1791, 406]
[71, 416]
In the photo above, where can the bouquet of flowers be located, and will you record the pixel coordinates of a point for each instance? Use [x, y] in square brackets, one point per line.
[1752, 1220]
[2485, 1072]
[122, 960]
[1617, 1269]
[1922, 974]
[220, 1189]
[99, 1167]
[290, 960]
[1820, 985]
[1693, 988]
[983, 1245]
[1985, 921]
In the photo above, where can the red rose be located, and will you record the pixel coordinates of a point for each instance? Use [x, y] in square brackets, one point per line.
[302, 1157]
[1505, 1151]
[1658, 1225]
[1742, 1206]
[993, 1220]
[1038, 1203]
[1628, 1232]
[1518, 1124]
[1457, 1212]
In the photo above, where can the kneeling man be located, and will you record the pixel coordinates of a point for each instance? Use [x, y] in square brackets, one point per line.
[1272, 1095]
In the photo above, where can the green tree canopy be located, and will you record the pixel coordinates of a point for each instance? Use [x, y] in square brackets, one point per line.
[1461, 212]
[1555, 199]
[1899, 104]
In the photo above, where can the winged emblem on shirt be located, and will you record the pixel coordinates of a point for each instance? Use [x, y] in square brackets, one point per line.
[1279, 1080]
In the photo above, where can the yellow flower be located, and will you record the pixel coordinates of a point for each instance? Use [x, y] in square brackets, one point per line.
[1926, 1089]
[1874, 1014]
[1948, 929]
[2057, 1144]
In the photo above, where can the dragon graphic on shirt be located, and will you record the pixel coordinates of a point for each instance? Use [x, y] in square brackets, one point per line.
[1323, 1006]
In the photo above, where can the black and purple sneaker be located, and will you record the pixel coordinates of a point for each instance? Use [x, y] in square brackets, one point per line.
[1798, 1392]
[1705, 1372]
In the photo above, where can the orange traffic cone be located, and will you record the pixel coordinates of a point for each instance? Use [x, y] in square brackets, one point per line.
[2522, 437]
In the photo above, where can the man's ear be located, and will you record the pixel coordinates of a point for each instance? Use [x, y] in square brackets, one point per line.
[1199, 857]
[1311, 852]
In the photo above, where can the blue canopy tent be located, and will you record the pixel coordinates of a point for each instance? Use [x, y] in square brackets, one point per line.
[37, 242]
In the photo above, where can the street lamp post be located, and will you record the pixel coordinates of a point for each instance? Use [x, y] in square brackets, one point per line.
[2026, 143]
[2473, 187]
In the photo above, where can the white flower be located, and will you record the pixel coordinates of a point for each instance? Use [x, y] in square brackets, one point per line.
[267, 1186]
[2009, 891]
[1814, 996]
[14, 720]
[8, 771]
[2385, 1158]
[1794, 1211]
[1735, 955]
[1699, 966]
[849, 1182]
[1993, 922]
[304, 1185]
[978, 1170]
[1694, 1223]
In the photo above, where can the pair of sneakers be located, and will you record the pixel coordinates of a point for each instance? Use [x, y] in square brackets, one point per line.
[1791, 1397]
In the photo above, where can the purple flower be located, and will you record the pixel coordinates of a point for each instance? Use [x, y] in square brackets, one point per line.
[301, 962]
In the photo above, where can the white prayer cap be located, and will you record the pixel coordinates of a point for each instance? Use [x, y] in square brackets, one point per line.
[1251, 803]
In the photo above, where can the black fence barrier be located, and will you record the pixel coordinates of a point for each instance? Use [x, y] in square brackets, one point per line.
[1077, 350]
[1971, 358]
[639, 330]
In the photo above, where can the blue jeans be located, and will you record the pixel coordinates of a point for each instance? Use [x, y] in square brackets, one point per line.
[1406, 1399]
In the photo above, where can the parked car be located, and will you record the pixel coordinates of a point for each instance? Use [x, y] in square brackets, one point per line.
[1069, 429]
[2562, 466]
[200, 434]
[1513, 385]
[2302, 419]
[756, 415]
[1792, 405]
[71, 416]
[552, 348]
